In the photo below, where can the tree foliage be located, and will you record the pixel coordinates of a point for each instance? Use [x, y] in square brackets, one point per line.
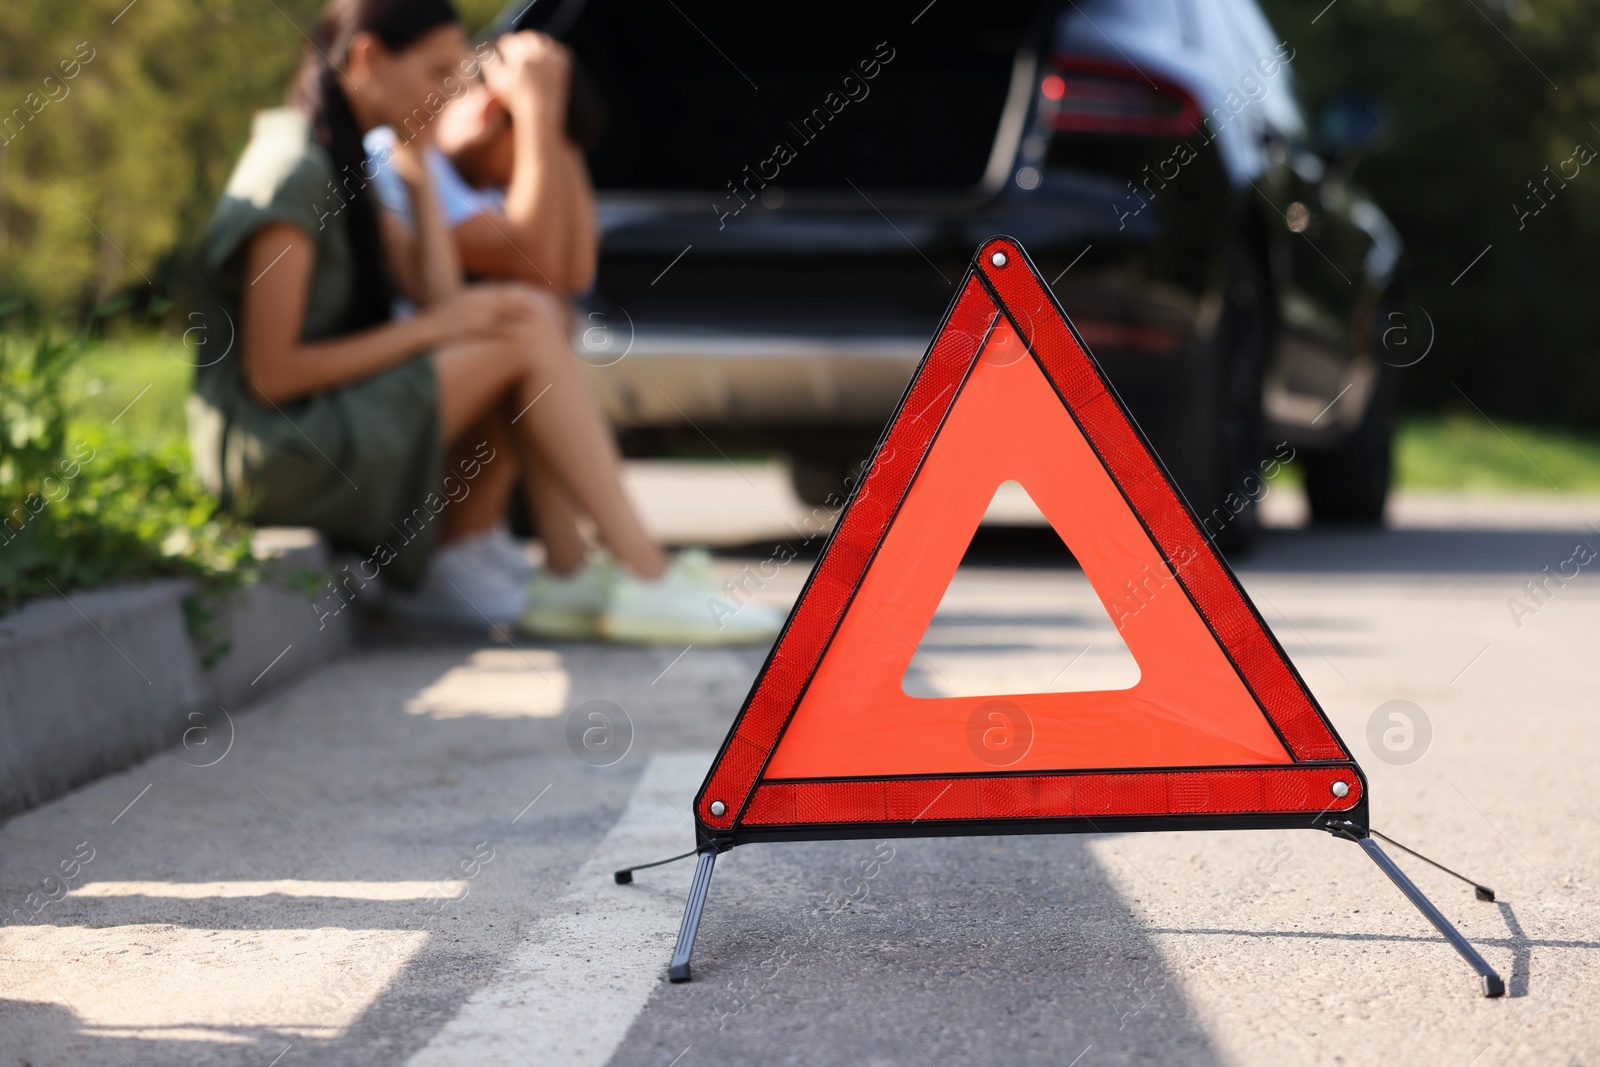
[1485, 94]
[107, 177]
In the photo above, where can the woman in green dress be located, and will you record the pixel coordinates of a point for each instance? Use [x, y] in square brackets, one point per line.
[400, 438]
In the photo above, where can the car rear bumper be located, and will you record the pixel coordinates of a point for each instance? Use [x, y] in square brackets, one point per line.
[765, 388]
[662, 379]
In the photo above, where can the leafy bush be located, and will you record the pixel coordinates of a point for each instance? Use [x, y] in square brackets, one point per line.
[81, 505]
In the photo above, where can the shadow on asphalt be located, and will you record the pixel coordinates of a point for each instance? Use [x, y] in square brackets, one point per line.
[1521, 950]
[1516, 940]
[1355, 550]
[1321, 550]
[992, 546]
[1013, 950]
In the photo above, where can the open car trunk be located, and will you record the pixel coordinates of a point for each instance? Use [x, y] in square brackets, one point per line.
[717, 97]
[788, 193]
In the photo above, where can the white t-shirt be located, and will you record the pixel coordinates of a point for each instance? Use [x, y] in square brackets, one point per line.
[458, 200]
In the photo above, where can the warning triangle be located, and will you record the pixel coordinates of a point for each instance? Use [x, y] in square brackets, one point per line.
[1218, 725]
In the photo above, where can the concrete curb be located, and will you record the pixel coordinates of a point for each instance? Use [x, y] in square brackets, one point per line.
[94, 681]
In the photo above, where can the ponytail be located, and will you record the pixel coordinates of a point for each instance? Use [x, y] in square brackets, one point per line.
[319, 94]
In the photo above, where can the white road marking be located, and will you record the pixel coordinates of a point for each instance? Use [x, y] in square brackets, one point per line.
[569, 993]
[287, 887]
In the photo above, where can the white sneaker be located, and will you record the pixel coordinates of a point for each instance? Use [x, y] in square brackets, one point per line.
[568, 606]
[510, 554]
[684, 606]
[464, 584]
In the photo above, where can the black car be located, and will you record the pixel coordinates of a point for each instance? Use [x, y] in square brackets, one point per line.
[789, 193]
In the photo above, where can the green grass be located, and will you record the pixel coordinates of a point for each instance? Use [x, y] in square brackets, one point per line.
[1463, 451]
[112, 374]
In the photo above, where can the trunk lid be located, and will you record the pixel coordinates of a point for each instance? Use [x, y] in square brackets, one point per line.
[718, 100]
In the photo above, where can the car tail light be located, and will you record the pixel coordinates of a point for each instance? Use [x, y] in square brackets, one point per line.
[1088, 94]
[1111, 335]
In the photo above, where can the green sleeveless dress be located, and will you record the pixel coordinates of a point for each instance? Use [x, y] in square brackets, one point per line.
[361, 462]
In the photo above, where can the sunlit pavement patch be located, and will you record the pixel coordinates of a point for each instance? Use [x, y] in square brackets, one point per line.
[286, 887]
[153, 981]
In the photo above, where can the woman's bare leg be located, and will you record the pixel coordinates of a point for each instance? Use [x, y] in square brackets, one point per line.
[555, 516]
[487, 494]
[554, 413]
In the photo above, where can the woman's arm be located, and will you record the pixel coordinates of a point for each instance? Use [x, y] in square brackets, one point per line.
[280, 367]
[582, 238]
[531, 240]
[555, 249]
[533, 199]
[424, 257]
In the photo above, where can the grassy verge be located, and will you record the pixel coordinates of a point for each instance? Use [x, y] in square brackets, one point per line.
[136, 386]
[1464, 451]
[95, 482]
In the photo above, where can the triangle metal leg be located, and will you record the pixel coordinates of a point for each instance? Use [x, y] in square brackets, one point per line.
[1493, 986]
[679, 969]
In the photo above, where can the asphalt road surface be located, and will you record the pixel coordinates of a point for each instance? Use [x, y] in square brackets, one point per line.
[403, 860]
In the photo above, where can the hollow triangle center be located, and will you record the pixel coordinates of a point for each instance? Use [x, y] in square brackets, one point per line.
[1188, 705]
[999, 633]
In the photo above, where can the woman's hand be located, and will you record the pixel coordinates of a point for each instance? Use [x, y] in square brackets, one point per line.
[409, 160]
[425, 259]
[479, 311]
[530, 72]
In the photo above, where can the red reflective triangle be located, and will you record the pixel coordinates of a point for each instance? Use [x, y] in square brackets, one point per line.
[1219, 722]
